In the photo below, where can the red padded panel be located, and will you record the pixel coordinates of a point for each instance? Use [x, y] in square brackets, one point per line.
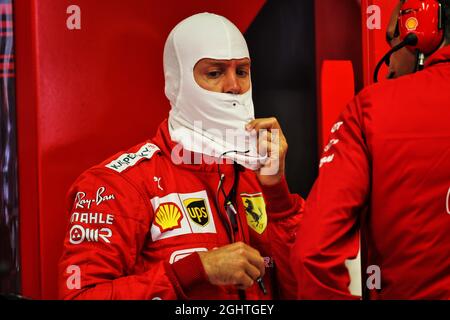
[336, 90]
[26, 104]
[338, 38]
[83, 95]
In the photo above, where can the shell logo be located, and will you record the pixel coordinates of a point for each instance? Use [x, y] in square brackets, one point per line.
[168, 217]
[411, 24]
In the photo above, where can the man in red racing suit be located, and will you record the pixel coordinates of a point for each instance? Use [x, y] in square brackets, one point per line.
[138, 221]
[144, 225]
[389, 153]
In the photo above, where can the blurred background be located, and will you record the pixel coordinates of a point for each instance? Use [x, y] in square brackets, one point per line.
[83, 79]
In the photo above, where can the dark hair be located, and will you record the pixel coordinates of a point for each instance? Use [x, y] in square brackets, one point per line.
[446, 17]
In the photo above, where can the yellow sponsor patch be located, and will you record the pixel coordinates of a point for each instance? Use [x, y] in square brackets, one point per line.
[168, 217]
[197, 211]
[255, 211]
[412, 24]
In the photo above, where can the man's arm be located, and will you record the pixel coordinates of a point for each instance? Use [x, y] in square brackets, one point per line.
[109, 222]
[329, 232]
[283, 208]
[284, 212]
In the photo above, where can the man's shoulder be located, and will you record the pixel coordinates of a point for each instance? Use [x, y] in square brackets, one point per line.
[123, 168]
[132, 158]
[117, 178]
[390, 91]
[126, 162]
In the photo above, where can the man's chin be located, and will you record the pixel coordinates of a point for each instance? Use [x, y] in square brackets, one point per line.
[398, 74]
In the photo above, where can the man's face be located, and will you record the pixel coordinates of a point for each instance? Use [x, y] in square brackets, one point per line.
[402, 62]
[226, 76]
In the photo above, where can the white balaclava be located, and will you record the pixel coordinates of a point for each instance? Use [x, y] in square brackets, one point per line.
[203, 121]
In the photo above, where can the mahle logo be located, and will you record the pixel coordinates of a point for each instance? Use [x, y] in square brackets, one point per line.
[197, 211]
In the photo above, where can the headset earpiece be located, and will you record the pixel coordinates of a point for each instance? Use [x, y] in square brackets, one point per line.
[420, 27]
[424, 18]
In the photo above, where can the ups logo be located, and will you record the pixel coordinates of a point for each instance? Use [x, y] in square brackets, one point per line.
[197, 211]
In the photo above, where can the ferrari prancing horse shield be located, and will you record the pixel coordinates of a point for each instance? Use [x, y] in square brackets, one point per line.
[255, 211]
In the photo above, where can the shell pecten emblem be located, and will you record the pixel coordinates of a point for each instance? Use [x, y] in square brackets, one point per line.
[411, 24]
[168, 217]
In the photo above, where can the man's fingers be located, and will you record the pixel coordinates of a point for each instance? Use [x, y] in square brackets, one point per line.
[268, 126]
[243, 280]
[234, 264]
[267, 136]
[247, 251]
[258, 263]
[253, 271]
[268, 142]
[263, 123]
[254, 259]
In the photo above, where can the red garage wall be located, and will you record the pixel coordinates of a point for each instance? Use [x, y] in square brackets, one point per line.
[83, 95]
[374, 39]
[344, 41]
[338, 59]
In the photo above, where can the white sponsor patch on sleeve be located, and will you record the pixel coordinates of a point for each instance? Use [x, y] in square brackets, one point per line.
[181, 254]
[128, 160]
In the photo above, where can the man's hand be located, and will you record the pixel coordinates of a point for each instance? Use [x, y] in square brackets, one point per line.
[271, 139]
[234, 264]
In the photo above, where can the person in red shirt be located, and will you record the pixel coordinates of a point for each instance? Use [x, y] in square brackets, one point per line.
[189, 214]
[386, 174]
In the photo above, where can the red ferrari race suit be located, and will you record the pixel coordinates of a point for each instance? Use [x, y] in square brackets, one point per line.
[386, 169]
[138, 221]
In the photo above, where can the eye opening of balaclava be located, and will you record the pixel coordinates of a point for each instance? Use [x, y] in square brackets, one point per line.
[200, 120]
[199, 73]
